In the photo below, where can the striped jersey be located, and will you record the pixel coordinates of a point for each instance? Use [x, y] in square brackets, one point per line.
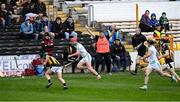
[52, 62]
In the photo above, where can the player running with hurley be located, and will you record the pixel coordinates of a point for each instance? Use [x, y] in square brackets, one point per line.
[168, 56]
[153, 64]
[86, 57]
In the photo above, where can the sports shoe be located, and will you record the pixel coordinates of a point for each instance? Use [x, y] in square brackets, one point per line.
[65, 87]
[98, 77]
[133, 72]
[49, 84]
[173, 78]
[110, 73]
[143, 87]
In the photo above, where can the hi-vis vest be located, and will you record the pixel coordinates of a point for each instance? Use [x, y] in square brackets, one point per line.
[158, 34]
[52, 62]
[102, 45]
[117, 36]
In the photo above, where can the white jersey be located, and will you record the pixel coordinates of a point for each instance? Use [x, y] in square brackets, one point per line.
[82, 50]
[153, 57]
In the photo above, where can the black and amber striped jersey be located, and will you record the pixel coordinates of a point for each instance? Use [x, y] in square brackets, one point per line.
[51, 61]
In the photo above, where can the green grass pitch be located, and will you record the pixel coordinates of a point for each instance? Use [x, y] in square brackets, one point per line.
[84, 87]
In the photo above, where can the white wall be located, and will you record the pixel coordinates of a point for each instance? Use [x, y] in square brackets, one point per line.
[122, 11]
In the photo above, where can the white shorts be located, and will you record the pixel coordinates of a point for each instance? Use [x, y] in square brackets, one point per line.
[56, 69]
[87, 58]
[154, 65]
[168, 66]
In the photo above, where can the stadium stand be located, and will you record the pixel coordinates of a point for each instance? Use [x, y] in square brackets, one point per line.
[12, 44]
[128, 27]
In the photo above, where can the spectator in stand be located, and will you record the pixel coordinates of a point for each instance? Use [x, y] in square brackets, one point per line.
[3, 1]
[115, 52]
[8, 6]
[26, 29]
[46, 26]
[47, 44]
[13, 11]
[15, 16]
[120, 56]
[32, 16]
[69, 28]
[13, 3]
[102, 50]
[34, 1]
[40, 7]
[125, 58]
[153, 21]
[5, 16]
[28, 7]
[92, 52]
[38, 27]
[113, 33]
[138, 44]
[159, 33]
[144, 22]
[16, 6]
[57, 28]
[164, 22]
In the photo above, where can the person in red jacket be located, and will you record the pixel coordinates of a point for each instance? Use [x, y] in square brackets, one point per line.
[47, 44]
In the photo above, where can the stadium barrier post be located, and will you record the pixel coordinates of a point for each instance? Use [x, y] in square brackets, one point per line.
[137, 14]
[172, 42]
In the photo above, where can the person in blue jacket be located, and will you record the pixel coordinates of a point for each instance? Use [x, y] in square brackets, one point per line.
[26, 29]
[153, 21]
[114, 34]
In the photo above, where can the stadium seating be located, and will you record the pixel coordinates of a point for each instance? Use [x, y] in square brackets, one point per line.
[12, 44]
[128, 28]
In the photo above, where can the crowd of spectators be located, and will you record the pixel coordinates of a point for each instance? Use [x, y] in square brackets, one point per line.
[34, 18]
[149, 24]
[107, 50]
[9, 13]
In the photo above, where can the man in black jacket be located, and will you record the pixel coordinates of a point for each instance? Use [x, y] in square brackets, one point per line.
[5, 16]
[57, 28]
[69, 28]
[39, 7]
[138, 43]
[28, 7]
